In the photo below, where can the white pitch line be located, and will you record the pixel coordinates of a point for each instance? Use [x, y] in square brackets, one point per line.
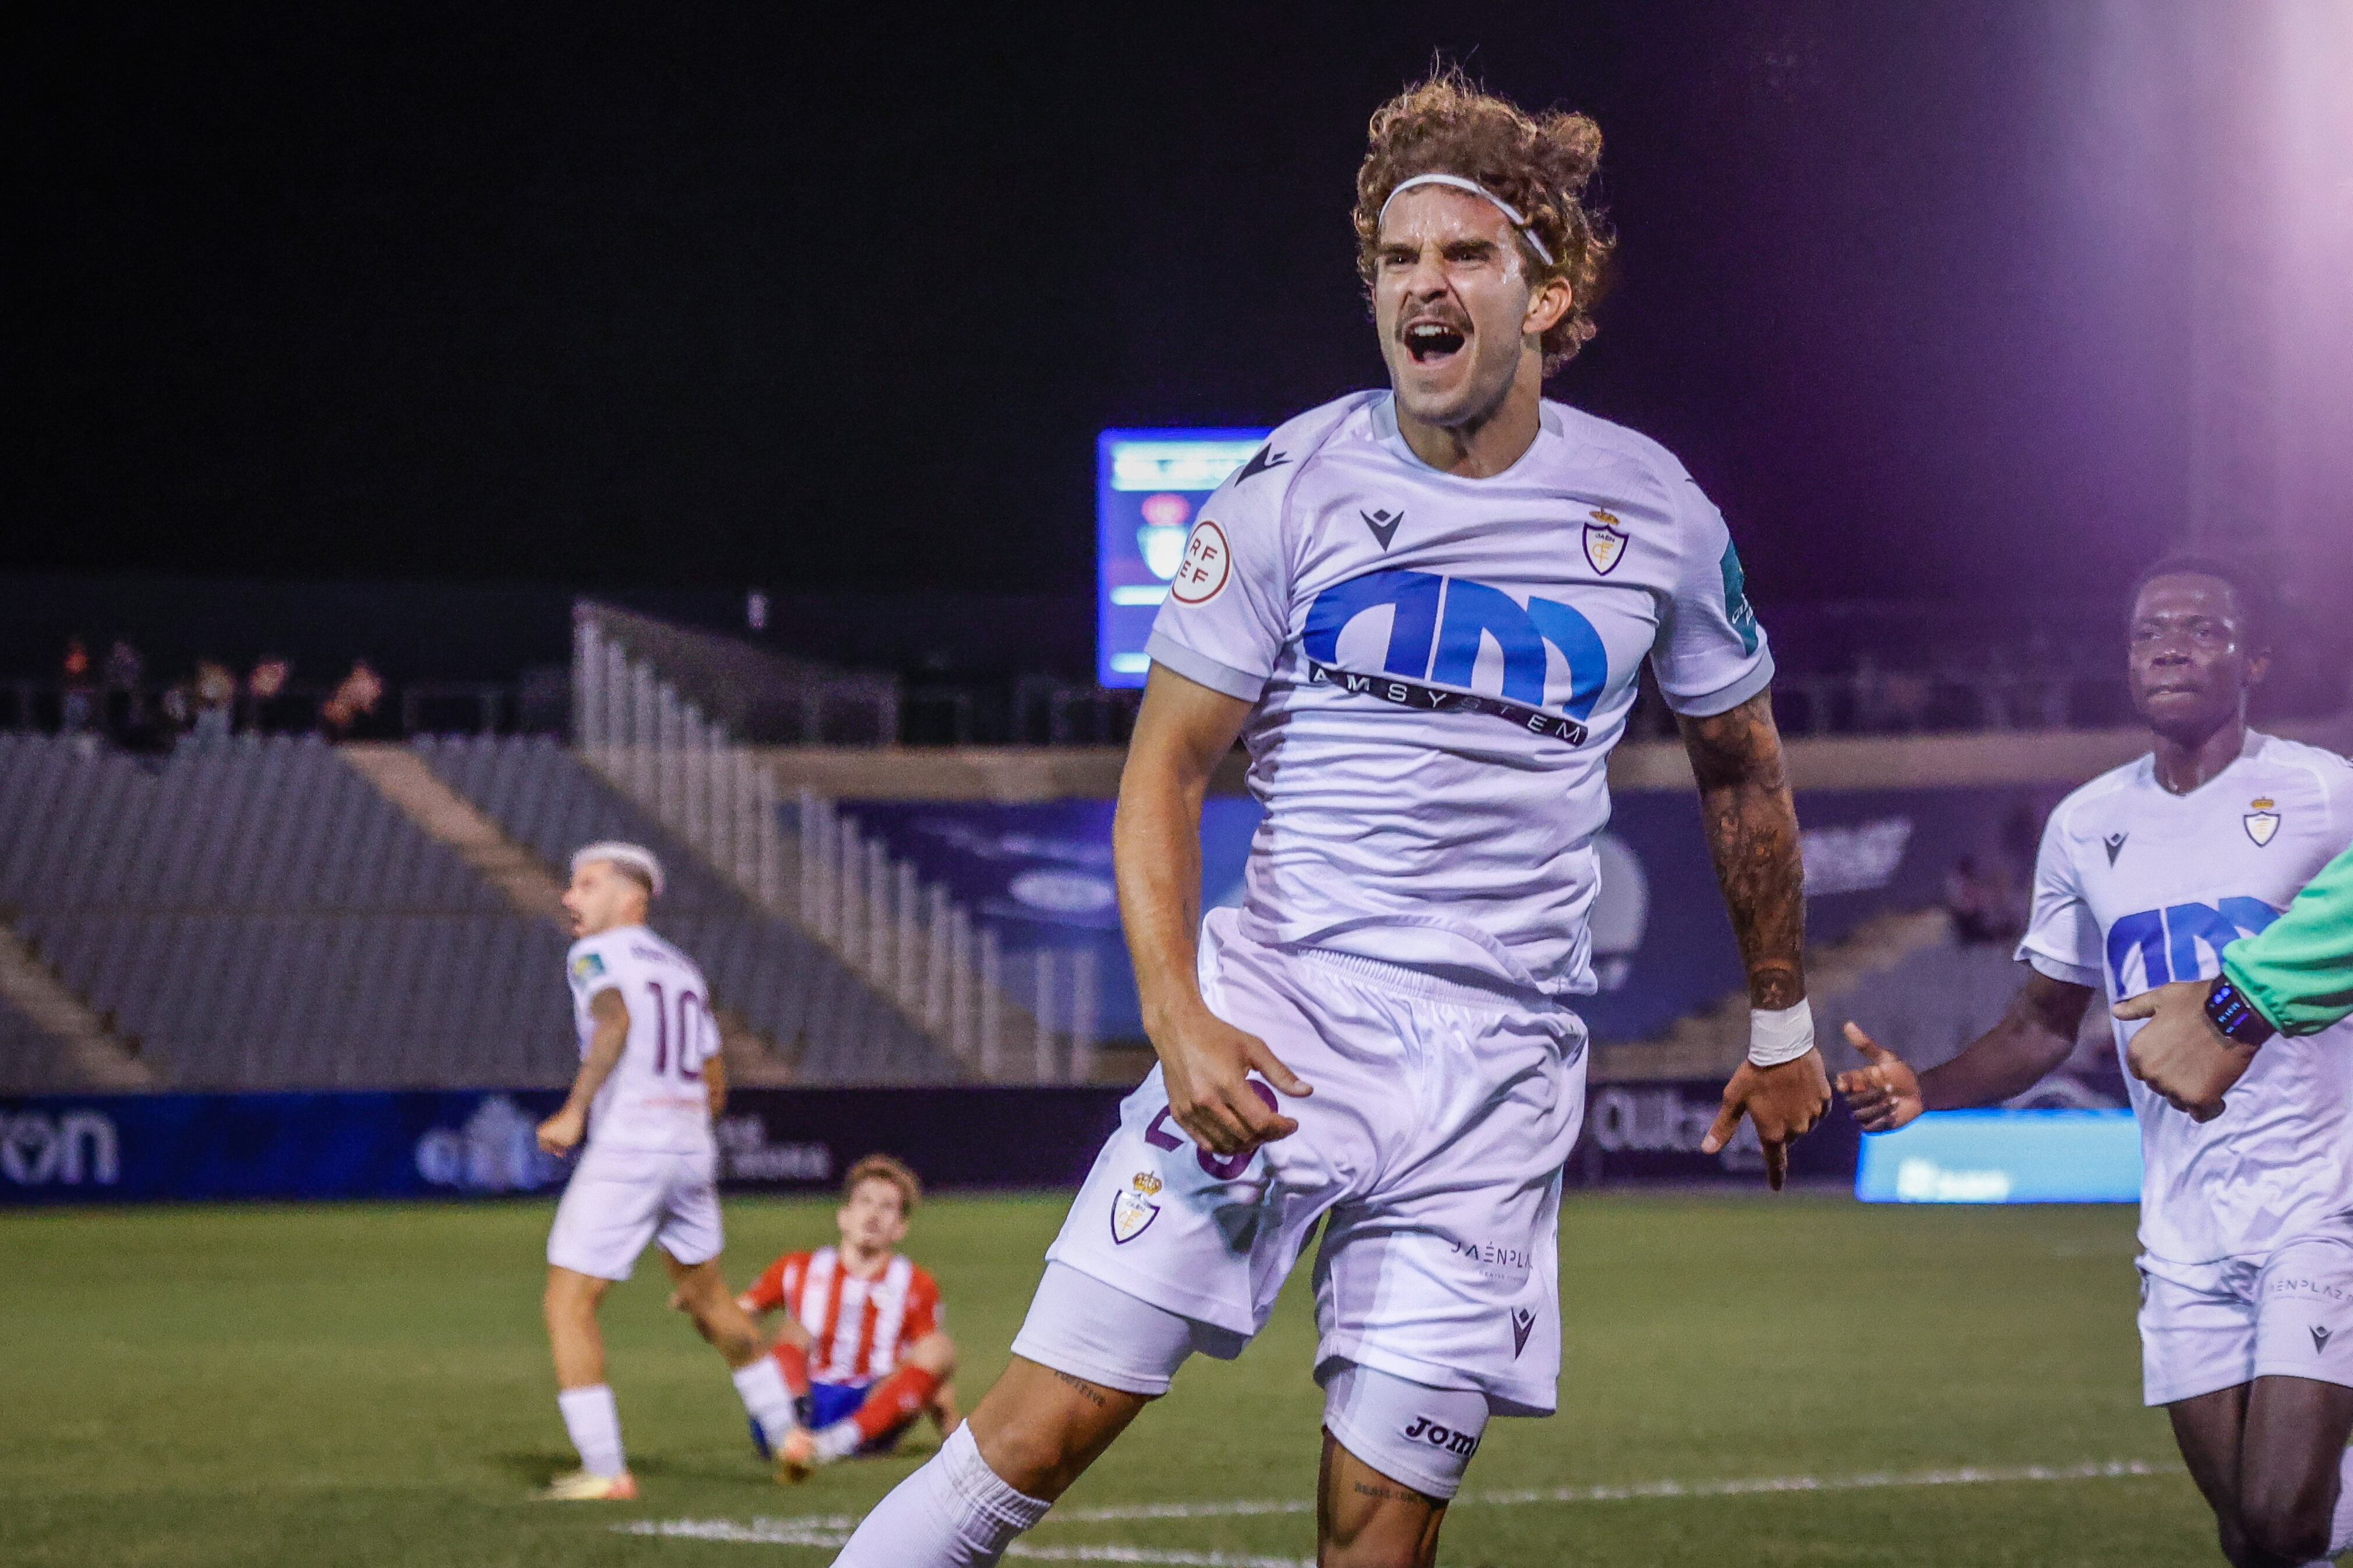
[829, 1533]
[1763, 1486]
[832, 1531]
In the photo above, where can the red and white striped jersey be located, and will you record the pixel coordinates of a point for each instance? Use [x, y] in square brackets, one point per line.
[857, 1327]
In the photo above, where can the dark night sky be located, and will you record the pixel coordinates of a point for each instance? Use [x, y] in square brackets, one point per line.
[614, 297]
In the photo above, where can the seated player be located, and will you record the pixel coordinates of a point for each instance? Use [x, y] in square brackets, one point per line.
[2147, 875]
[861, 1344]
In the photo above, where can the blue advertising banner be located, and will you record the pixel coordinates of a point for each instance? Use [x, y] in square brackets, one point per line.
[1042, 875]
[132, 1147]
[1650, 1131]
[199, 1147]
[2004, 1157]
[137, 1148]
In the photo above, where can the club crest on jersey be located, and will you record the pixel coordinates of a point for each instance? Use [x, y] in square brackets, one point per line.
[1605, 542]
[1132, 1208]
[2262, 821]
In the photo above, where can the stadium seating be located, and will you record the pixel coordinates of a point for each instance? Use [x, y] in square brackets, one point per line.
[787, 985]
[30, 1059]
[1930, 1005]
[253, 914]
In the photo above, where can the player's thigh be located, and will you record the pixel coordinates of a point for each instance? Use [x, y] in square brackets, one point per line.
[2300, 1408]
[2197, 1329]
[1394, 1454]
[2206, 1428]
[692, 1232]
[571, 1294]
[1088, 1357]
[1038, 1428]
[610, 1210]
[2292, 1450]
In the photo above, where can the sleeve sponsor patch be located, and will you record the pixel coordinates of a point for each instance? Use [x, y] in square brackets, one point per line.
[1207, 562]
[1736, 608]
[588, 966]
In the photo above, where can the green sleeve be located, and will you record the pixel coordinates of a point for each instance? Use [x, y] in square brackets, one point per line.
[2299, 972]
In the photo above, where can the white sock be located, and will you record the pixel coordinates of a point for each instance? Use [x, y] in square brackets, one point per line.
[2340, 1524]
[840, 1440]
[766, 1396]
[594, 1423]
[953, 1513]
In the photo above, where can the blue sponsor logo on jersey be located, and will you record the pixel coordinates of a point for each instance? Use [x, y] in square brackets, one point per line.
[1440, 623]
[2167, 940]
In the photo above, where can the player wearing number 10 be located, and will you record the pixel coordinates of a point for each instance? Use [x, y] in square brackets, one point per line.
[651, 1079]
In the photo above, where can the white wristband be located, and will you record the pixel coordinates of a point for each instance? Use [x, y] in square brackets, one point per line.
[1779, 1034]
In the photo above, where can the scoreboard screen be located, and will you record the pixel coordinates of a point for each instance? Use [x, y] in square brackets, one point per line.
[1149, 484]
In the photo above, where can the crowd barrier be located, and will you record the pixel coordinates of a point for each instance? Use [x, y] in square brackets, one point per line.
[189, 1147]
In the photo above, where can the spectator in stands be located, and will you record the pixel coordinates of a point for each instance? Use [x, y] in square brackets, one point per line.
[75, 689]
[124, 671]
[264, 689]
[213, 699]
[355, 698]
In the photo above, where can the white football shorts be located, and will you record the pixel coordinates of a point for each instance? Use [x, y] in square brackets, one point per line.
[620, 1199]
[2208, 1326]
[1432, 1148]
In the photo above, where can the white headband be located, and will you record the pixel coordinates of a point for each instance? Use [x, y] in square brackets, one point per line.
[636, 857]
[1476, 189]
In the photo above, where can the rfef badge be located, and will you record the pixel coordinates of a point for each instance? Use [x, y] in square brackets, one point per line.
[1132, 1208]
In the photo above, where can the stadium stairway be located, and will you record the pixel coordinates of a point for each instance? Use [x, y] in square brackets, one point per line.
[402, 777]
[1711, 1043]
[836, 1028]
[253, 915]
[49, 1038]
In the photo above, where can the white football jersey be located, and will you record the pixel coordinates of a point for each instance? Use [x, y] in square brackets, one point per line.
[1441, 666]
[2136, 887]
[655, 1098]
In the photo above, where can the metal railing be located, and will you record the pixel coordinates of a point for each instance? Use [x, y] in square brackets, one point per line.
[914, 943]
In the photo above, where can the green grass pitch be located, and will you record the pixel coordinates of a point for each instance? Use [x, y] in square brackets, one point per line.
[369, 1384]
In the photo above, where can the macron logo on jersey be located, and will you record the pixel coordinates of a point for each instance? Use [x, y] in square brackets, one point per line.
[1437, 627]
[2167, 940]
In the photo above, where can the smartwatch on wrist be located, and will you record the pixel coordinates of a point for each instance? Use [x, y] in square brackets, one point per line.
[2232, 1013]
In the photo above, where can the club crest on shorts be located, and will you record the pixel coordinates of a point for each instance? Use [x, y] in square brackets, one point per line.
[1605, 542]
[2262, 821]
[1132, 1208]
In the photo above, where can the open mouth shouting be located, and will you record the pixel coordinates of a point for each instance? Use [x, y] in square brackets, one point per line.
[1432, 339]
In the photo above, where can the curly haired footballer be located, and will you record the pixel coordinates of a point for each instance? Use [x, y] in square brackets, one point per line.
[1541, 165]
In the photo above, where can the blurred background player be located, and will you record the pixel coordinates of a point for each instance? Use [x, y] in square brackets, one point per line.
[650, 1079]
[2145, 874]
[861, 1345]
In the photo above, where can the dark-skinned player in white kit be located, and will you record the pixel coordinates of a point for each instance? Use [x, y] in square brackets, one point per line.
[1423, 610]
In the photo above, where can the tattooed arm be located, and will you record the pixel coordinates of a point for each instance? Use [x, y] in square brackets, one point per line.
[1752, 836]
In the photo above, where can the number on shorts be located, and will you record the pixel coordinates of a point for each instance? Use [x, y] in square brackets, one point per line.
[1226, 1169]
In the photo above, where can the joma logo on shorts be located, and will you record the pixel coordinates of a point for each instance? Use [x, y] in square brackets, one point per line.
[1425, 1430]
